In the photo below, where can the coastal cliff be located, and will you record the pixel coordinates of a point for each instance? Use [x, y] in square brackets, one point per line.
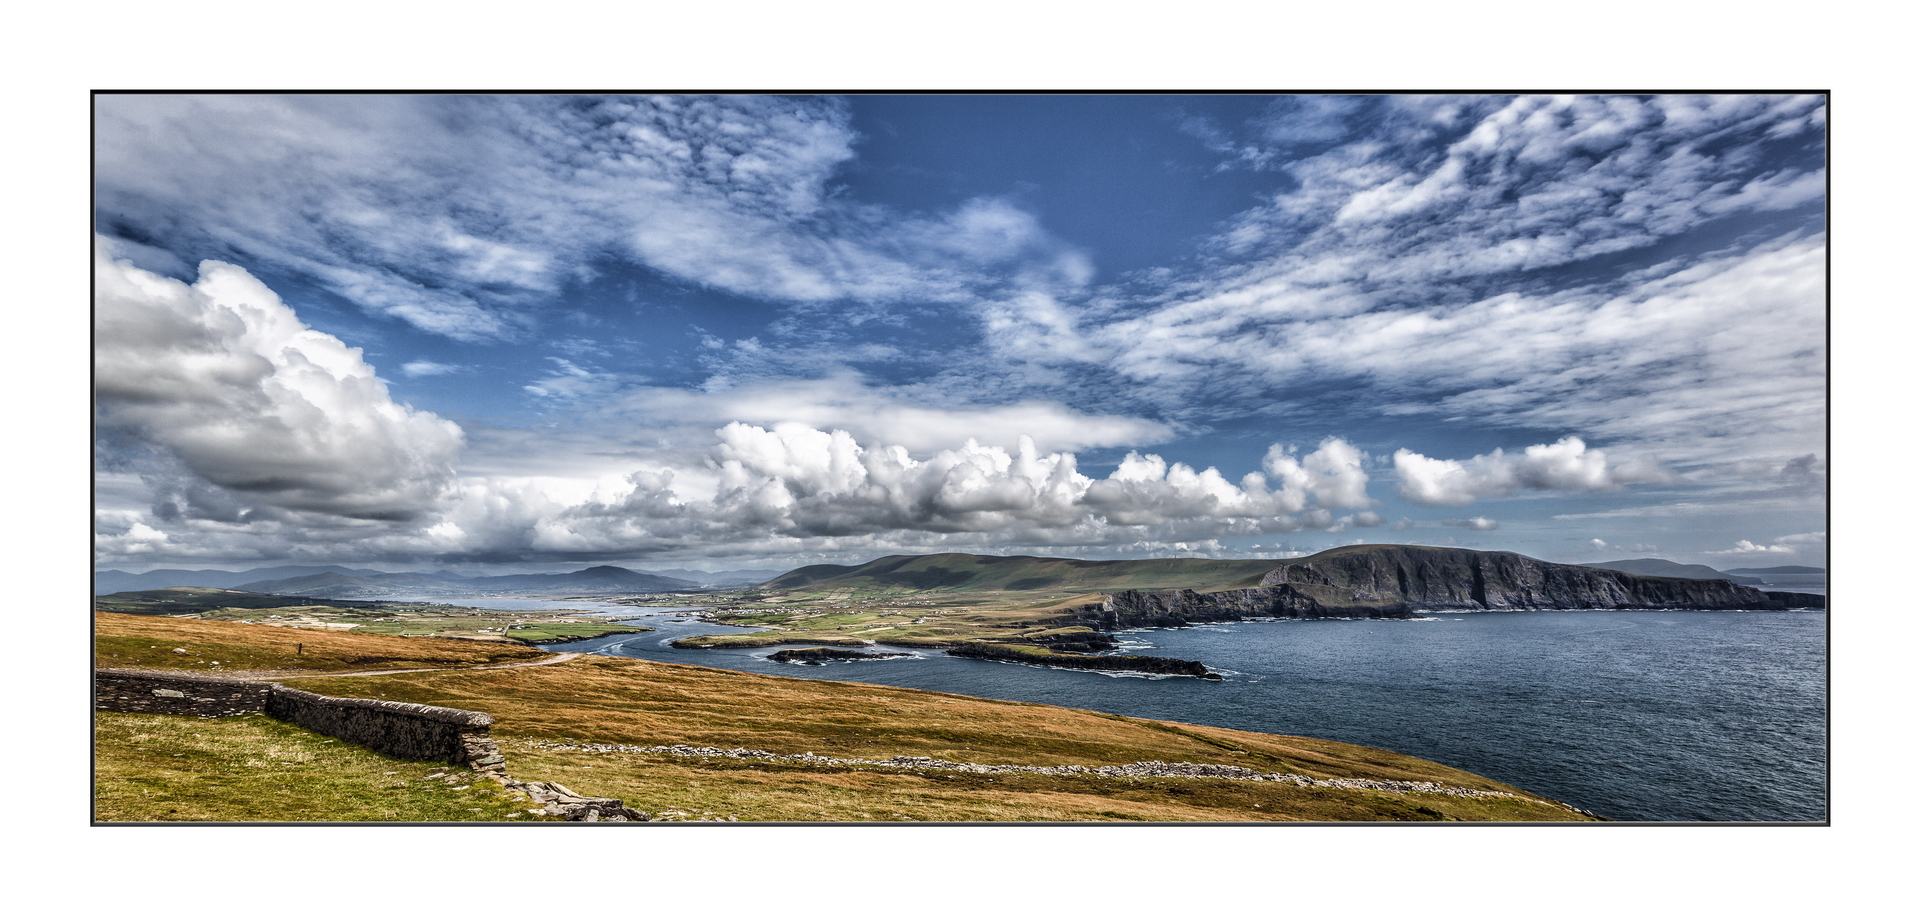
[1442, 578]
[1397, 581]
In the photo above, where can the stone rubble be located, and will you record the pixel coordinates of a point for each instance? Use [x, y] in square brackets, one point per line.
[553, 799]
[1135, 770]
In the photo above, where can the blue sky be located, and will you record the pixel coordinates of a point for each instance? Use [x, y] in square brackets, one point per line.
[537, 332]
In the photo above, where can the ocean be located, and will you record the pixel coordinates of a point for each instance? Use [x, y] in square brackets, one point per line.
[1688, 716]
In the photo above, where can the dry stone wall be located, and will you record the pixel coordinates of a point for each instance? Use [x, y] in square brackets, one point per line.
[413, 731]
[190, 695]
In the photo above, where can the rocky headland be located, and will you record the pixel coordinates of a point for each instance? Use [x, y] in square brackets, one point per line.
[1400, 581]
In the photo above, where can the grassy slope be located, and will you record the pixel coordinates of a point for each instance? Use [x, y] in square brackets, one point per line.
[144, 642]
[182, 599]
[633, 702]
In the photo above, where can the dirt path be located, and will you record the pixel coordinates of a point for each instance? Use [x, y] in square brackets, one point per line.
[555, 658]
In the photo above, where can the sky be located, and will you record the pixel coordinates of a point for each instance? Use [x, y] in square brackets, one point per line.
[530, 333]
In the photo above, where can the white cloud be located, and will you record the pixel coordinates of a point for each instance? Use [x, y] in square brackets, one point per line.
[921, 418]
[419, 368]
[1600, 546]
[1476, 523]
[1413, 278]
[459, 214]
[139, 539]
[254, 408]
[1332, 474]
[1803, 538]
[1744, 546]
[1802, 545]
[794, 488]
[574, 381]
[1567, 465]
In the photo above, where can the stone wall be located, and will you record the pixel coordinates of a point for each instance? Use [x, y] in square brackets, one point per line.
[412, 731]
[191, 695]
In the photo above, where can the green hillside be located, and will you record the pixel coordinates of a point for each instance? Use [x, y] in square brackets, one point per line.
[985, 573]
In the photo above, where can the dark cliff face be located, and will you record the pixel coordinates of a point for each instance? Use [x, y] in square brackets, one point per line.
[1184, 607]
[1442, 578]
[1395, 581]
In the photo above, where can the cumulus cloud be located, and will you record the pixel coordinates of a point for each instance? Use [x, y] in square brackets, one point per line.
[1476, 523]
[1808, 545]
[250, 408]
[1415, 263]
[791, 487]
[1333, 474]
[1744, 546]
[792, 490]
[1566, 465]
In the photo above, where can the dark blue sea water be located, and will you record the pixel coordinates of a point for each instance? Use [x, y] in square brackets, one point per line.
[1634, 715]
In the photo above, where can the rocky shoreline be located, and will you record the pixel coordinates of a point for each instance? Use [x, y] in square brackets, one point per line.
[1148, 665]
[815, 655]
[543, 641]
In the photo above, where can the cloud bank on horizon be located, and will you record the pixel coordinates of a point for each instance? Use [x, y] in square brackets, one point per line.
[428, 331]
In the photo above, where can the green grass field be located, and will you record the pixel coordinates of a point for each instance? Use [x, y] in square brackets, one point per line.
[155, 768]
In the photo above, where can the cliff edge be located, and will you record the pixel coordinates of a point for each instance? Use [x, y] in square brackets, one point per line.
[1397, 581]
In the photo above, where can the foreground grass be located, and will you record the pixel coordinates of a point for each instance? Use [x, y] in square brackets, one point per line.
[674, 788]
[154, 768]
[607, 700]
[603, 700]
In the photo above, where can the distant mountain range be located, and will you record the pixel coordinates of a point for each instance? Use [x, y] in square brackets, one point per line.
[107, 582]
[977, 573]
[957, 572]
[335, 582]
[744, 577]
[1653, 566]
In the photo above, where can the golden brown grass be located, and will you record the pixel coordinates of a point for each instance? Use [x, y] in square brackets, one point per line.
[744, 790]
[634, 702]
[148, 642]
